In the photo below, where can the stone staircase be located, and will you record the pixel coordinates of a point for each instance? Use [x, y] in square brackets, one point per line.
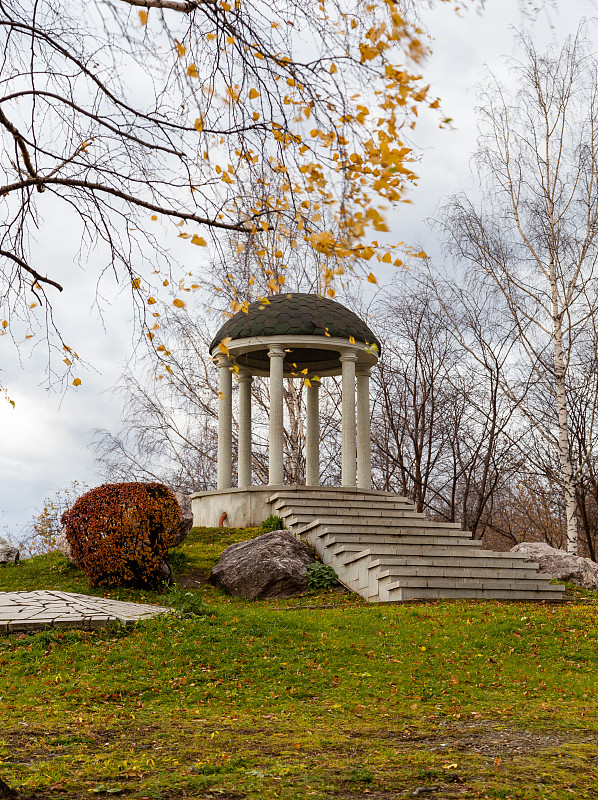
[381, 548]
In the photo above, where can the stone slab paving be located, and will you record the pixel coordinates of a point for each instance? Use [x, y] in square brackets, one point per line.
[29, 612]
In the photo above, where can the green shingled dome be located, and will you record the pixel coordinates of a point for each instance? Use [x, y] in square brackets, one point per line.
[296, 315]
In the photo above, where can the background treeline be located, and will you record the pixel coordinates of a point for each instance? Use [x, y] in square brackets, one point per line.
[459, 423]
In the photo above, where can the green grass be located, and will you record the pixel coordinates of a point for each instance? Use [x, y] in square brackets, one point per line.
[320, 696]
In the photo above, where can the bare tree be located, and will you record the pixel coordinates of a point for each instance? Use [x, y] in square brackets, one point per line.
[442, 427]
[533, 241]
[412, 394]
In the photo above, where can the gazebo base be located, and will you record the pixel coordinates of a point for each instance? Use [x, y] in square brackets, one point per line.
[250, 506]
[244, 508]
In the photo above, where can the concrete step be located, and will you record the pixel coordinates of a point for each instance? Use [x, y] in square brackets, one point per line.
[397, 539]
[491, 572]
[468, 583]
[344, 520]
[409, 550]
[328, 524]
[521, 596]
[476, 559]
[335, 504]
[363, 526]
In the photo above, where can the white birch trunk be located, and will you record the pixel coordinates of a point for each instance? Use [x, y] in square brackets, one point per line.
[567, 471]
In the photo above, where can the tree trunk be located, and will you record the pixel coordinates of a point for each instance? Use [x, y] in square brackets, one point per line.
[567, 473]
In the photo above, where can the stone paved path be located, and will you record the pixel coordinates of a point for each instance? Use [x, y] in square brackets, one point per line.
[28, 612]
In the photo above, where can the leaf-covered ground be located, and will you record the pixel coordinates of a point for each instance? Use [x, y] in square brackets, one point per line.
[320, 696]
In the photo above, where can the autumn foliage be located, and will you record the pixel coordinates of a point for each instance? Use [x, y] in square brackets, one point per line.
[120, 533]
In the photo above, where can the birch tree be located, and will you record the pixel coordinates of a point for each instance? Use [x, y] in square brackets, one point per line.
[533, 238]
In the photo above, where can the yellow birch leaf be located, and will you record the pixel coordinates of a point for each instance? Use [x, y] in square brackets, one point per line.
[198, 240]
[372, 278]
[253, 93]
[136, 283]
[151, 301]
[77, 382]
[180, 48]
[192, 71]
[421, 254]
[223, 345]
[143, 17]
[178, 303]
[333, 69]
[154, 217]
[198, 125]
[386, 258]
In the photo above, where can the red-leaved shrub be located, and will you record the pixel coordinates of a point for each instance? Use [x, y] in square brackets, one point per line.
[119, 533]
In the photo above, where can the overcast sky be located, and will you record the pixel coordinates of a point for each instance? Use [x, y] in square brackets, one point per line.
[45, 438]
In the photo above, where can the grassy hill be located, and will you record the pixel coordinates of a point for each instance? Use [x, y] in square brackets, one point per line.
[321, 696]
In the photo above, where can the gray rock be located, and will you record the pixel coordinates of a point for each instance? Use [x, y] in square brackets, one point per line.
[180, 533]
[271, 565]
[8, 553]
[561, 565]
[165, 573]
[184, 501]
[63, 546]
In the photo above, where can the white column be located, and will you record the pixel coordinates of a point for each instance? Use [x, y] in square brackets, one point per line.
[312, 443]
[348, 359]
[364, 451]
[225, 423]
[244, 462]
[275, 462]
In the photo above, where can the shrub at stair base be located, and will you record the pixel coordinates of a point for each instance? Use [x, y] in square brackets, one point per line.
[120, 533]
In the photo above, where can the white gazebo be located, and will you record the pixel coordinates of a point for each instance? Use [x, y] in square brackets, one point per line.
[288, 335]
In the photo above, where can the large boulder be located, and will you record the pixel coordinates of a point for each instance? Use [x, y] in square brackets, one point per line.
[8, 553]
[560, 565]
[271, 565]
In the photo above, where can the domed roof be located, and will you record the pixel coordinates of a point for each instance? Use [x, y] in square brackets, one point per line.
[296, 315]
